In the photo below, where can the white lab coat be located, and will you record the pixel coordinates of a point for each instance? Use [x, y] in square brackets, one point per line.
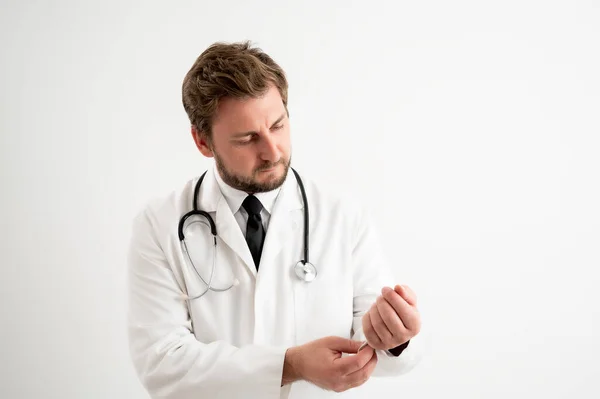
[232, 344]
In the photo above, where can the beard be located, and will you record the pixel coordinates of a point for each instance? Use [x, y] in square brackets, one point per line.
[250, 184]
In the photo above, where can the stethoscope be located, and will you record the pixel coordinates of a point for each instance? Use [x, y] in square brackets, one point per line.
[304, 270]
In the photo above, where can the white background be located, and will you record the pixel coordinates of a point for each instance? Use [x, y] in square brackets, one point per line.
[470, 127]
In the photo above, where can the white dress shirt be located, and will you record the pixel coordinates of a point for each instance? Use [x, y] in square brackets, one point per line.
[235, 198]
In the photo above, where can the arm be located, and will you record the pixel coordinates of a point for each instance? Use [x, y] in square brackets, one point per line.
[168, 359]
[371, 274]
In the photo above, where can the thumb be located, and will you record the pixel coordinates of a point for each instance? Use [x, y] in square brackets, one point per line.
[343, 344]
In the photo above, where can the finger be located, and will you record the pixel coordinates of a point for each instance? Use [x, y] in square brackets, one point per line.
[378, 325]
[349, 364]
[407, 293]
[343, 344]
[369, 332]
[361, 376]
[407, 313]
[390, 317]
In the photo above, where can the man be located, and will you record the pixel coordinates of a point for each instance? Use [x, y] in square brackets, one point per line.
[268, 334]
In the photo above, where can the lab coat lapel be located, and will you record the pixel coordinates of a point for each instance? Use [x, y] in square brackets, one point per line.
[228, 230]
[286, 219]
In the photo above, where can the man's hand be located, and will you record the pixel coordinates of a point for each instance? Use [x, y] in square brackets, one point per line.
[321, 363]
[393, 319]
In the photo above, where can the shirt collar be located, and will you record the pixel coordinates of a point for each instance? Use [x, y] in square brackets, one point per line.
[235, 197]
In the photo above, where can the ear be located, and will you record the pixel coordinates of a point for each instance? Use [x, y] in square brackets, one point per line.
[202, 142]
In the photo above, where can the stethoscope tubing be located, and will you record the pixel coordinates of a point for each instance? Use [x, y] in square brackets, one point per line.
[306, 265]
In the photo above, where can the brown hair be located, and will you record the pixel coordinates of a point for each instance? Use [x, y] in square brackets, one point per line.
[228, 70]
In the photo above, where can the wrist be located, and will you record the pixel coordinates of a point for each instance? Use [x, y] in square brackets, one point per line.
[291, 366]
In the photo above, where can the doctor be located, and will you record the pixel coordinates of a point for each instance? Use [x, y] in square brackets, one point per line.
[270, 286]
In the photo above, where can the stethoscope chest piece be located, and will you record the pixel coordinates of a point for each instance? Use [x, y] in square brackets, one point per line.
[305, 271]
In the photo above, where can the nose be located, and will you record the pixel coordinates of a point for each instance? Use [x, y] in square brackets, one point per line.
[269, 150]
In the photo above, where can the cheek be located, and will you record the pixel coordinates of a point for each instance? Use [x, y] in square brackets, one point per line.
[243, 161]
[284, 143]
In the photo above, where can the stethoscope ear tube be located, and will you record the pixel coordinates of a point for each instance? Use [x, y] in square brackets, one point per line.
[213, 227]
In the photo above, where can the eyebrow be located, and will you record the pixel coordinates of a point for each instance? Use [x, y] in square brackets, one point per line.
[239, 135]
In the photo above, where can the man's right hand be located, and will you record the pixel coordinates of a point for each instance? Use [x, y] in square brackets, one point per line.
[321, 363]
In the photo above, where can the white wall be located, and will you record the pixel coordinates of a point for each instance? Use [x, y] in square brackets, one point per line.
[472, 126]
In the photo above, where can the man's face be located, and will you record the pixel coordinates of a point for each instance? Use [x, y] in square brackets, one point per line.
[250, 142]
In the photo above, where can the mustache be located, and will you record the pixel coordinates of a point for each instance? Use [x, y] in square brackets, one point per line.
[270, 165]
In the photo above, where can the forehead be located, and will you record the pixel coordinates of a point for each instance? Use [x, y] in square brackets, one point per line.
[240, 114]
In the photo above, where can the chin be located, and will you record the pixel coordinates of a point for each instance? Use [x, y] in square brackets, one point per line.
[271, 179]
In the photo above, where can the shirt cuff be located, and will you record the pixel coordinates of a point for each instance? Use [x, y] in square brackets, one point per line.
[399, 349]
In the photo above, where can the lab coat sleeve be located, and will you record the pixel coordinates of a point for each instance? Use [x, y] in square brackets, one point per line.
[168, 359]
[372, 272]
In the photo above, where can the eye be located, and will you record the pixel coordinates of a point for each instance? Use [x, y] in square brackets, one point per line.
[278, 127]
[246, 140]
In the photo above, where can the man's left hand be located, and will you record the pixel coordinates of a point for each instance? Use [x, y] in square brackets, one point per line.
[393, 319]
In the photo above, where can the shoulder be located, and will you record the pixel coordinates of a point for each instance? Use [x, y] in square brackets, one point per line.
[324, 197]
[162, 212]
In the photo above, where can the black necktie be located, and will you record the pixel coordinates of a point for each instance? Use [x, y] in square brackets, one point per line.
[255, 232]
